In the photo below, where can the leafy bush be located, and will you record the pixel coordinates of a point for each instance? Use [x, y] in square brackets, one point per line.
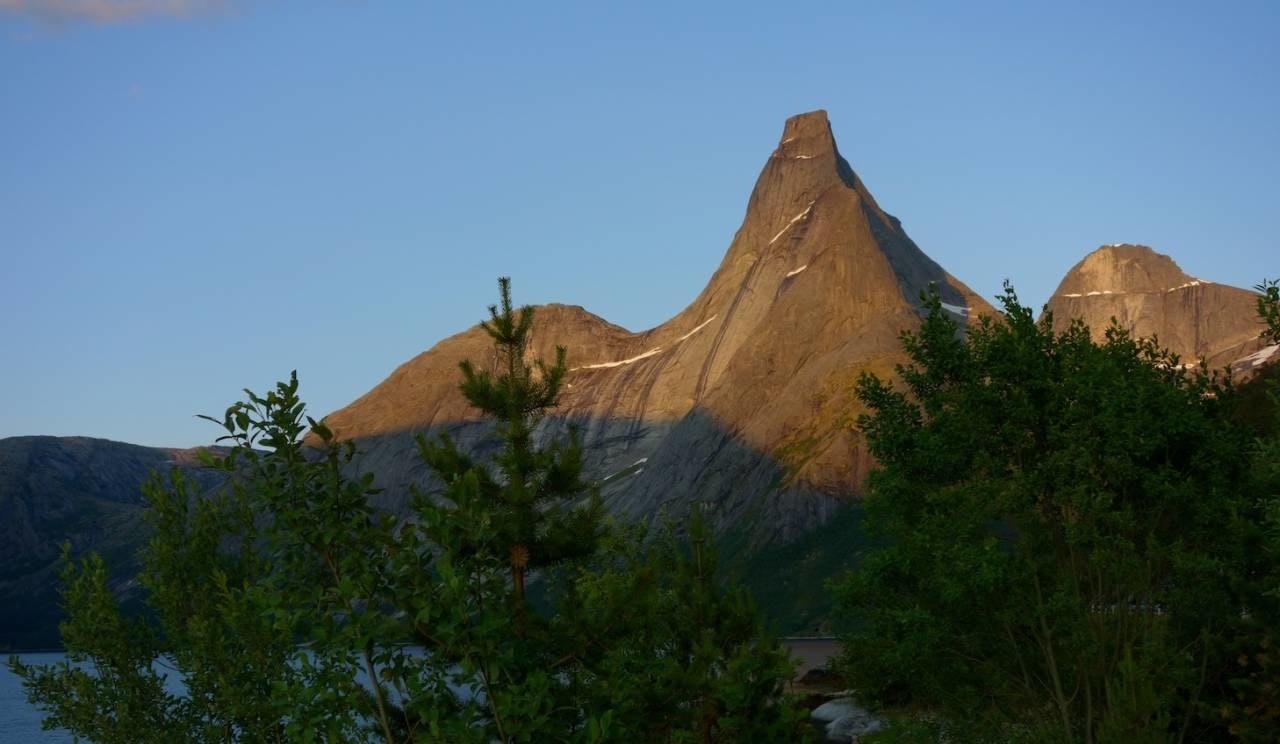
[1062, 534]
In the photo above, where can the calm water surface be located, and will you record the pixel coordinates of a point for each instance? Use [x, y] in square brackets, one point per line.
[20, 722]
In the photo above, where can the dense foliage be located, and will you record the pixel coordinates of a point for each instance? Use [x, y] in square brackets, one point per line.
[1251, 705]
[290, 610]
[1074, 541]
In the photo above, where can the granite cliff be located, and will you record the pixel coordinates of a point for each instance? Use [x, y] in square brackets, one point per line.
[1150, 296]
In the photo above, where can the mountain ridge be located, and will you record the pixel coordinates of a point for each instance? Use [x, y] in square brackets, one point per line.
[740, 403]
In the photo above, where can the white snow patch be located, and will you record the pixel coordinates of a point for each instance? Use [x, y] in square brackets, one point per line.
[628, 470]
[793, 221]
[785, 141]
[803, 157]
[701, 325]
[1257, 357]
[1193, 283]
[793, 272]
[636, 358]
[957, 309]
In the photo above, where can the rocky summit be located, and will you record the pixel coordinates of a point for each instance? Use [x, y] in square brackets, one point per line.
[1147, 294]
[741, 402]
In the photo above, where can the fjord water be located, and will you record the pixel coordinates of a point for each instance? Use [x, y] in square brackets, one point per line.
[19, 720]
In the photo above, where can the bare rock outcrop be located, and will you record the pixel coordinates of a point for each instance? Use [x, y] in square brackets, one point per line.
[1147, 294]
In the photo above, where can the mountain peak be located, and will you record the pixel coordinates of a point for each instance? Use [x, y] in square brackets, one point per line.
[739, 401]
[810, 124]
[807, 136]
[1121, 268]
[1130, 252]
[1146, 293]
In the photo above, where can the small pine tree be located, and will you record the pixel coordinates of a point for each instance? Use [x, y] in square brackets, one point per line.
[1269, 309]
[544, 512]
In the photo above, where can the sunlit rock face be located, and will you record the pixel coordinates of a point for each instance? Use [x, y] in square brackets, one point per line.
[1147, 294]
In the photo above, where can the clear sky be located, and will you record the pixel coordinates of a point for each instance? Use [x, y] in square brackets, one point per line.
[199, 196]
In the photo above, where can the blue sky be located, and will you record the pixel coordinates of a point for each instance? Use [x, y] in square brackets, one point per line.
[199, 196]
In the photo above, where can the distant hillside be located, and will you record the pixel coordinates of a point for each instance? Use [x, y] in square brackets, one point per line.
[69, 489]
